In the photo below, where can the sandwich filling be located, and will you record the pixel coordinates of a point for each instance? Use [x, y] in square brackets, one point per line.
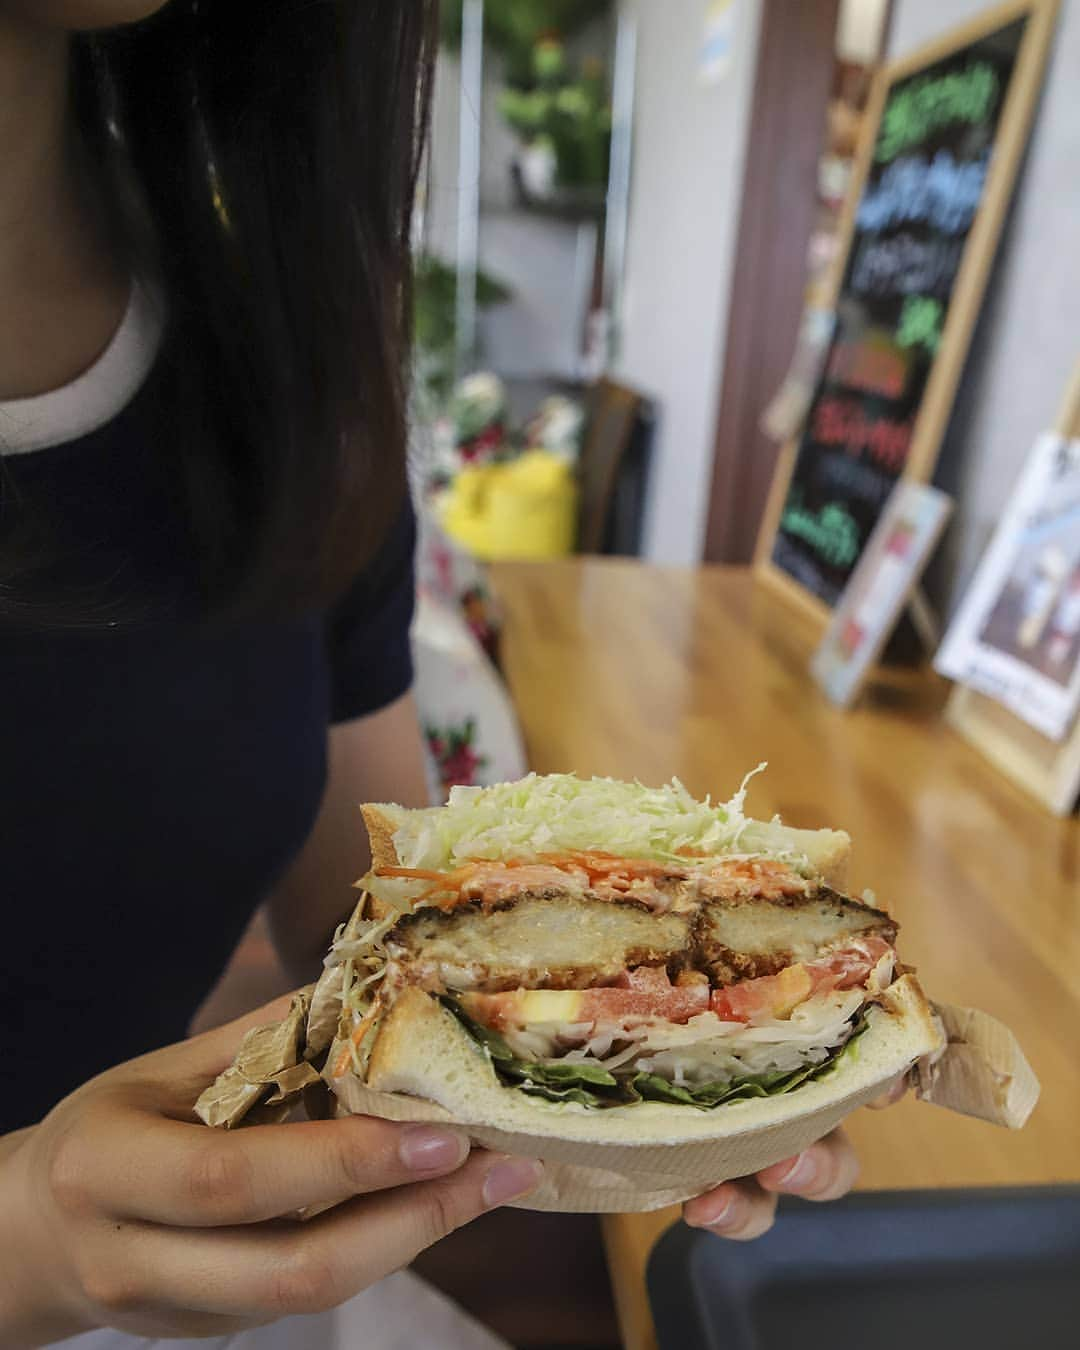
[698, 975]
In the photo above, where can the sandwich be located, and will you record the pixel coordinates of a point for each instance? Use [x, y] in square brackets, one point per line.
[591, 960]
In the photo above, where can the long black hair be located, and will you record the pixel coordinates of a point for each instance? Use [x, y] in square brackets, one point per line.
[258, 160]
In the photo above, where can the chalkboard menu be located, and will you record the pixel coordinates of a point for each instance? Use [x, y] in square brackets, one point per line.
[907, 295]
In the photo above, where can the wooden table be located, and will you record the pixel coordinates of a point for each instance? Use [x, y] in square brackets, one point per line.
[634, 671]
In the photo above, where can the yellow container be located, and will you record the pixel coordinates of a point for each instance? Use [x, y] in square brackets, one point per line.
[526, 508]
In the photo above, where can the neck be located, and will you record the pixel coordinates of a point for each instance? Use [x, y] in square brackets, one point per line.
[37, 188]
[63, 289]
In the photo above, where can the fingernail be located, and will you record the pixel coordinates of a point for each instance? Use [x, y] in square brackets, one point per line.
[511, 1178]
[423, 1149]
[726, 1214]
[802, 1172]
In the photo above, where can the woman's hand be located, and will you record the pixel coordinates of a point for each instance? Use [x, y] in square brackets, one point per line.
[746, 1208]
[118, 1210]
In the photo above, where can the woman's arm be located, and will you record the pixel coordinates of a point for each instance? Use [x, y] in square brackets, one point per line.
[377, 758]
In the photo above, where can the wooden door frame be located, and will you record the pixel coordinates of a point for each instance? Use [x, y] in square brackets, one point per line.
[795, 63]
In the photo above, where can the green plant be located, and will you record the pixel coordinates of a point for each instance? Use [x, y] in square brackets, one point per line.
[513, 27]
[573, 117]
[434, 318]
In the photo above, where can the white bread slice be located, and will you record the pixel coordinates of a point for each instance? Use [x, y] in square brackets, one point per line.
[423, 1051]
[827, 850]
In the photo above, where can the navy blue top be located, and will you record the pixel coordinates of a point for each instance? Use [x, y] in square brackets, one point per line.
[156, 775]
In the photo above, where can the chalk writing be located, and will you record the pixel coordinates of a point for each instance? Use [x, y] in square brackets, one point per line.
[905, 265]
[923, 107]
[874, 368]
[853, 477]
[920, 323]
[830, 532]
[937, 192]
[788, 557]
[842, 421]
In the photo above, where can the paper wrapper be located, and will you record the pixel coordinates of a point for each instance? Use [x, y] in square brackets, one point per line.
[981, 1072]
[267, 1076]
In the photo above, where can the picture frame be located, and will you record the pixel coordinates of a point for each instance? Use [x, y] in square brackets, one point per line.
[880, 587]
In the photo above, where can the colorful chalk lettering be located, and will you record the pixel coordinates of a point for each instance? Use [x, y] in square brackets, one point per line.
[854, 479]
[904, 264]
[872, 367]
[918, 110]
[844, 422]
[939, 192]
[920, 323]
[831, 532]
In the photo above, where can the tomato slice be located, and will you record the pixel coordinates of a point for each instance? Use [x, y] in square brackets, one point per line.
[778, 995]
[646, 992]
[767, 996]
[849, 966]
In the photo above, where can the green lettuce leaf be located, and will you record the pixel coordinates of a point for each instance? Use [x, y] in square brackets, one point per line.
[591, 1075]
[565, 1094]
[707, 1095]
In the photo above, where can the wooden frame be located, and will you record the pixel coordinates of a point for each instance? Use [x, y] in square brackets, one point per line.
[1049, 770]
[936, 404]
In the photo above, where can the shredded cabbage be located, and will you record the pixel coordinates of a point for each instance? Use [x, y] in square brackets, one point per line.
[554, 813]
[363, 961]
[704, 1049]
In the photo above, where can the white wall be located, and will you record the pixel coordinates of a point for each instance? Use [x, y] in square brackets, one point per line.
[689, 145]
[1029, 333]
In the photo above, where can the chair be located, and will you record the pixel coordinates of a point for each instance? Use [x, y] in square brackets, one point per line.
[997, 1268]
[613, 469]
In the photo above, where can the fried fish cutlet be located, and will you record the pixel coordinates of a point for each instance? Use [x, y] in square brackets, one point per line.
[556, 939]
[746, 937]
[549, 939]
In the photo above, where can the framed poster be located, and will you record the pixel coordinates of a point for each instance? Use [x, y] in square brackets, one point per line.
[945, 131]
[1016, 635]
[888, 571]
[1022, 632]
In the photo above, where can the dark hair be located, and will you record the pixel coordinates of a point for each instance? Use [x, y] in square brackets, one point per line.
[259, 160]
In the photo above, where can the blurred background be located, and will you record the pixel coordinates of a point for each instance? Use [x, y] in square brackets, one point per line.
[650, 195]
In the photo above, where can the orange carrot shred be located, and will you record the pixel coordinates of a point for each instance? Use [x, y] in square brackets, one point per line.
[359, 1032]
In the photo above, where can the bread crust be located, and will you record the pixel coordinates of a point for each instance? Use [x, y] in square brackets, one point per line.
[381, 821]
